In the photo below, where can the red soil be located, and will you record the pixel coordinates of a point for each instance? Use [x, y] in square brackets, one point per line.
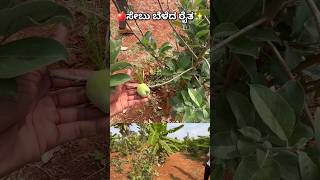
[177, 167]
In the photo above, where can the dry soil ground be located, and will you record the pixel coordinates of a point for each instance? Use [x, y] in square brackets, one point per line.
[178, 166]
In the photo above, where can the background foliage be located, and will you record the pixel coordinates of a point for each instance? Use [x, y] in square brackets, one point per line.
[149, 147]
[265, 125]
[24, 55]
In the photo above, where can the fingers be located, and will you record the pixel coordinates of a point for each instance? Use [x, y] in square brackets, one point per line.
[115, 95]
[67, 115]
[69, 96]
[131, 85]
[61, 34]
[80, 129]
[137, 101]
[69, 77]
[132, 92]
[135, 97]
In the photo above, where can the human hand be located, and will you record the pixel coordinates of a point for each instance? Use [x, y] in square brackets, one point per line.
[124, 97]
[47, 112]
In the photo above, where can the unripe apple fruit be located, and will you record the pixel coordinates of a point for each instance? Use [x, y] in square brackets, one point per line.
[143, 90]
[97, 90]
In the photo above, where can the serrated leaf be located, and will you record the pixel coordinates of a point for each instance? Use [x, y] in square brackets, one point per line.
[281, 121]
[22, 56]
[117, 79]
[120, 66]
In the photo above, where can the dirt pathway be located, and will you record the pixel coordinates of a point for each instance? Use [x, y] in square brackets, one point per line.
[181, 167]
[177, 167]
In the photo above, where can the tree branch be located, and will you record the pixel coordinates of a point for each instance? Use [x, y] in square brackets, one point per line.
[239, 33]
[291, 76]
[166, 82]
[314, 9]
[184, 42]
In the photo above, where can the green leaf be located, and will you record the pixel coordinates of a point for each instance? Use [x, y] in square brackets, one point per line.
[8, 87]
[175, 129]
[289, 165]
[165, 146]
[153, 137]
[218, 172]
[241, 107]
[292, 91]
[120, 66]
[117, 79]
[22, 56]
[308, 169]
[292, 57]
[249, 169]
[317, 127]
[224, 118]
[115, 47]
[300, 131]
[202, 33]
[246, 168]
[195, 96]
[164, 47]
[263, 35]
[224, 30]
[184, 61]
[250, 66]
[224, 146]
[302, 14]
[281, 121]
[269, 171]
[244, 46]
[32, 13]
[233, 11]
[246, 148]
[251, 133]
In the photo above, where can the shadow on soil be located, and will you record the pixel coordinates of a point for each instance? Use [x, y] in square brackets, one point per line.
[185, 173]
